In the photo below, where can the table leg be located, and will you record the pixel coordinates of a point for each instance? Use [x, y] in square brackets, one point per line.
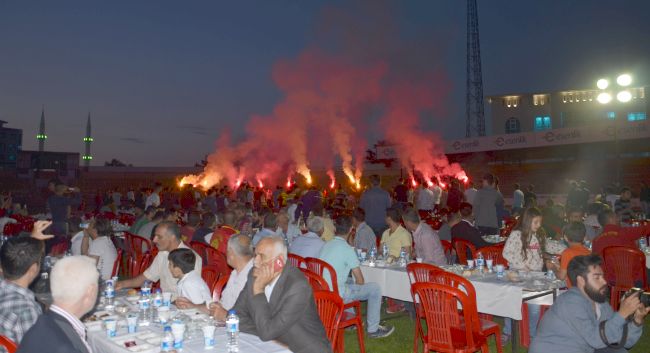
[514, 333]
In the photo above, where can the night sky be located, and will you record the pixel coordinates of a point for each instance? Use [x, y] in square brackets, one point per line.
[162, 79]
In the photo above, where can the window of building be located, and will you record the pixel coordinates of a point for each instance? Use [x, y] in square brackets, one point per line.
[543, 123]
[513, 126]
[636, 116]
[611, 115]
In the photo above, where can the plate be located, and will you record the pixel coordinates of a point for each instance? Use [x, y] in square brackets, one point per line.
[132, 298]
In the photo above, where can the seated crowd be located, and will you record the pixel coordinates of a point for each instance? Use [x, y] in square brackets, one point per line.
[275, 301]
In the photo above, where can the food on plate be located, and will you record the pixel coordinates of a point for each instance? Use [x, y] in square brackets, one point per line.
[132, 292]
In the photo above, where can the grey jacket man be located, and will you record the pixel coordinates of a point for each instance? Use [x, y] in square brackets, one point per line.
[485, 207]
[572, 326]
[290, 317]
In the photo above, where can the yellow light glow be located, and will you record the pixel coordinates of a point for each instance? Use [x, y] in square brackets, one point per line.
[602, 83]
[624, 80]
[624, 96]
[604, 98]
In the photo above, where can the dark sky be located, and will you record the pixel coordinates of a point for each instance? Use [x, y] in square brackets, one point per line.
[163, 78]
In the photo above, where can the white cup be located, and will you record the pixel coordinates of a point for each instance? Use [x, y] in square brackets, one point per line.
[488, 263]
[418, 260]
[132, 322]
[167, 299]
[208, 336]
[163, 314]
[470, 264]
[178, 330]
[111, 327]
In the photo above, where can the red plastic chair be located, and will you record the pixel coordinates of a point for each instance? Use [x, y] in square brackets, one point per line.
[450, 329]
[210, 274]
[494, 252]
[426, 273]
[60, 248]
[218, 287]
[626, 267]
[296, 261]
[319, 267]
[116, 264]
[140, 245]
[8, 344]
[330, 309]
[199, 248]
[449, 250]
[218, 260]
[316, 282]
[461, 246]
[135, 266]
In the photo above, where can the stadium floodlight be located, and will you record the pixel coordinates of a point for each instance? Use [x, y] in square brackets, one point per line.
[604, 98]
[602, 83]
[624, 80]
[624, 96]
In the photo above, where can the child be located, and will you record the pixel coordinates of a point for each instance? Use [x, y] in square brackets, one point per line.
[574, 235]
[191, 286]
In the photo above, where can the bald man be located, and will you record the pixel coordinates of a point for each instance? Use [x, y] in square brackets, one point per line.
[277, 302]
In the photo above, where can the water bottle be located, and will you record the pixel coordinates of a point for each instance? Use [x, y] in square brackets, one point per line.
[144, 305]
[643, 243]
[232, 331]
[109, 295]
[372, 256]
[402, 257]
[167, 343]
[157, 299]
[384, 250]
[480, 262]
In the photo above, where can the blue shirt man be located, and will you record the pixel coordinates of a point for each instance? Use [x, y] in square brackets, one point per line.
[374, 202]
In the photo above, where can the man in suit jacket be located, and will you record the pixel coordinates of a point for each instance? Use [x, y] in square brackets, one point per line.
[277, 302]
[73, 282]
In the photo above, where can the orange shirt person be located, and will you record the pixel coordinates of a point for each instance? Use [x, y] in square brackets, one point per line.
[574, 235]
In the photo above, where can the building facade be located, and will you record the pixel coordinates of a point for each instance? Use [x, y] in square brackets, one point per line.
[11, 141]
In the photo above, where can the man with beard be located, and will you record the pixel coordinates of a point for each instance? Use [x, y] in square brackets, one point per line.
[573, 324]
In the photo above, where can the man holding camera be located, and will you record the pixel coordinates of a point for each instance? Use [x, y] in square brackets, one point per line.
[582, 321]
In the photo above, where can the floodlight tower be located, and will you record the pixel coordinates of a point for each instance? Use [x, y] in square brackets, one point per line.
[88, 140]
[475, 118]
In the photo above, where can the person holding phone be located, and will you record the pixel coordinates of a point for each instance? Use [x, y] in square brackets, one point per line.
[277, 302]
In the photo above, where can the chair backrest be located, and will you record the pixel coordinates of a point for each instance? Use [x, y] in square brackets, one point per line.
[116, 264]
[214, 258]
[219, 285]
[199, 248]
[60, 248]
[462, 247]
[315, 281]
[210, 274]
[137, 265]
[449, 250]
[127, 242]
[495, 253]
[330, 310]
[296, 261]
[319, 267]
[625, 265]
[420, 272]
[8, 344]
[140, 245]
[445, 332]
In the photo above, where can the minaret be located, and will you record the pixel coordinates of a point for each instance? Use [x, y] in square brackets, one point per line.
[41, 137]
[87, 157]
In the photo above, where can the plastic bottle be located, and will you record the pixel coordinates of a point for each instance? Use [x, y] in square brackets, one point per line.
[232, 331]
[402, 257]
[384, 250]
[480, 262]
[109, 295]
[157, 299]
[167, 343]
[144, 305]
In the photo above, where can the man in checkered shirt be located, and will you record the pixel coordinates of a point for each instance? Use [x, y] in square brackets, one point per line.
[20, 258]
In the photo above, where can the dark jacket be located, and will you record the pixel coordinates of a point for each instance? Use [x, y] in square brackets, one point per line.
[465, 231]
[51, 333]
[290, 317]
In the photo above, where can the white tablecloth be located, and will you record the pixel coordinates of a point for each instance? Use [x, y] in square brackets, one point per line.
[493, 296]
[247, 343]
[647, 260]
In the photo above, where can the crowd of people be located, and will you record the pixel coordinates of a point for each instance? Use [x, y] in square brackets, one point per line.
[255, 229]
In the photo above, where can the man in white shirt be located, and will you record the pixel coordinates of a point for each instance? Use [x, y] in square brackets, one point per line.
[240, 257]
[310, 243]
[470, 193]
[97, 245]
[167, 237]
[270, 227]
[424, 199]
[436, 190]
[154, 198]
[286, 230]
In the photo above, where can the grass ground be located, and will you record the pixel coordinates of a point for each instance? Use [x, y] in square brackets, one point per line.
[401, 341]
